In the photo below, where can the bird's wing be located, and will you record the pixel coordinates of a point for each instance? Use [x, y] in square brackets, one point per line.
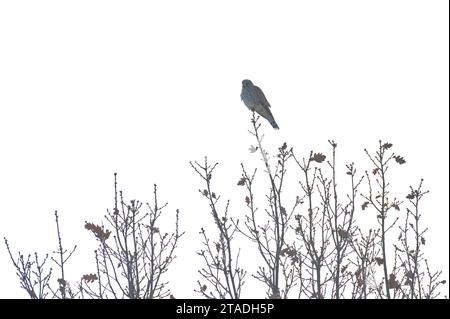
[261, 97]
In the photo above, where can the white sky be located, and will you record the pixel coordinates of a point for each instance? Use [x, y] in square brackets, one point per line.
[89, 88]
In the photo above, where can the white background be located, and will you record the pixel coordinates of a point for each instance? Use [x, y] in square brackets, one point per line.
[89, 88]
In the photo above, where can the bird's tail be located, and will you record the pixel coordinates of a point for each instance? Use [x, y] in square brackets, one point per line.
[265, 112]
[273, 123]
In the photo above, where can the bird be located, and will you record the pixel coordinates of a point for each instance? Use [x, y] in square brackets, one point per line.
[255, 100]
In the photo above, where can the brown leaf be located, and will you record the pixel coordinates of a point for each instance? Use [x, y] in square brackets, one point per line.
[375, 171]
[343, 233]
[89, 278]
[318, 157]
[379, 261]
[241, 181]
[399, 159]
[393, 283]
[364, 205]
[422, 240]
[411, 195]
[387, 145]
[213, 195]
[247, 200]
[99, 231]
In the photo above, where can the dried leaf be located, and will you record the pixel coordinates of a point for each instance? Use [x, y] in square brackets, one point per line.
[393, 283]
[99, 231]
[241, 181]
[318, 157]
[88, 278]
[422, 240]
[387, 145]
[343, 233]
[364, 205]
[379, 261]
[399, 159]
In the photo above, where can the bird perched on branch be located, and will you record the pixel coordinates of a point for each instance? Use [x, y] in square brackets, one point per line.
[254, 98]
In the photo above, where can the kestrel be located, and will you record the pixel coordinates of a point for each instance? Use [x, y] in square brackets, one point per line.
[254, 98]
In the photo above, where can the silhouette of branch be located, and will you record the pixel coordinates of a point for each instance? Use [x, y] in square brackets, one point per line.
[225, 277]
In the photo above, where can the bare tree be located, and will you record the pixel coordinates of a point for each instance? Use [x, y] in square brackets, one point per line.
[341, 222]
[367, 258]
[314, 231]
[132, 263]
[270, 235]
[36, 276]
[312, 245]
[379, 198]
[417, 281]
[221, 268]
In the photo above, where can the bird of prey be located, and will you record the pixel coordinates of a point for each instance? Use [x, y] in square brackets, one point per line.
[255, 100]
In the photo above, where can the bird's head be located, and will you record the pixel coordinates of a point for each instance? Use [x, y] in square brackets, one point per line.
[247, 83]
